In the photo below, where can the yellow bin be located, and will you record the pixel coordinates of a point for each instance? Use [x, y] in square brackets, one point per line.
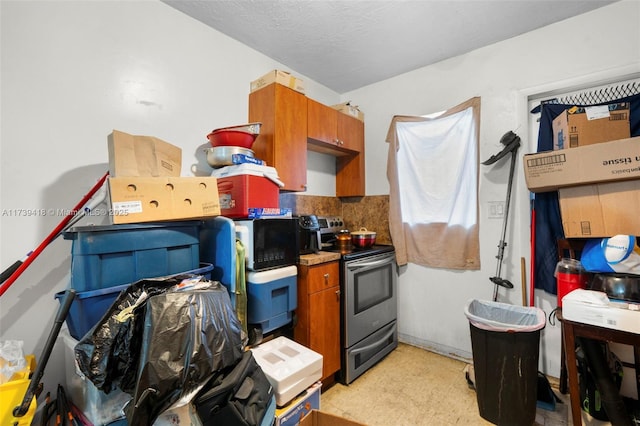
[12, 394]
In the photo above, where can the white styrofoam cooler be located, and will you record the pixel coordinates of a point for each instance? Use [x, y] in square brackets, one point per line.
[290, 367]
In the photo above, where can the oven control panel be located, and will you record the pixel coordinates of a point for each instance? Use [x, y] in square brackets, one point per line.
[330, 224]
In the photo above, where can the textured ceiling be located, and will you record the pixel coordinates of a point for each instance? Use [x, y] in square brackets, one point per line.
[345, 45]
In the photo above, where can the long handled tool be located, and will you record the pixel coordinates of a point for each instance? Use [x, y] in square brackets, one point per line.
[12, 273]
[35, 387]
[511, 143]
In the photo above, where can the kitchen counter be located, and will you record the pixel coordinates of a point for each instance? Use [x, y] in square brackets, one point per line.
[317, 258]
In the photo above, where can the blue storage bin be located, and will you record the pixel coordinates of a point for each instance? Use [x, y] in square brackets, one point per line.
[272, 297]
[89, 307]
[112, 255]
[218, 246]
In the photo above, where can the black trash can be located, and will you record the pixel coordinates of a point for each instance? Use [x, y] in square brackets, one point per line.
[505, 341]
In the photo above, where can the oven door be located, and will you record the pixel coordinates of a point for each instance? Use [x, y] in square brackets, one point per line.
[370, 296]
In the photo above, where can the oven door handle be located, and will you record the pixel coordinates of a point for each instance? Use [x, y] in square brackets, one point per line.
[374, 344]
[369, 264]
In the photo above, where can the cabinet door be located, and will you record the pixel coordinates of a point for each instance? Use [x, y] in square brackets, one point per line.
[321, 123]
[350, 132]
[350, 176]
[325, 328]
[282, 142]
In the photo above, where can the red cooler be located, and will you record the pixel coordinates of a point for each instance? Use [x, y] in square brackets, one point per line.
[241, 192]
[570, 275]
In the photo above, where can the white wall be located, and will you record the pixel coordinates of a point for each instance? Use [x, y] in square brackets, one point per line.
[72, 71]
[597, 45]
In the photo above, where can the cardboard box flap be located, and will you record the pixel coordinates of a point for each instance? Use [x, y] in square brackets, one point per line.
[145, 156]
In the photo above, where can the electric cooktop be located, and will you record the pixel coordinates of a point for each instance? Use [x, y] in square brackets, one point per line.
[353, 252]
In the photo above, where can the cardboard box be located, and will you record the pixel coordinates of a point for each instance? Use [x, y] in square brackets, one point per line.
[320, 418]
[352, 110]
[147, 199]
[293, 413]
[146, 156]
[582, 126]
[601, 210]
[603, 162]
[280, 77]
[595, 308]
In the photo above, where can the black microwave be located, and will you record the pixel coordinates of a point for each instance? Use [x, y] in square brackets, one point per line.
[269, 242]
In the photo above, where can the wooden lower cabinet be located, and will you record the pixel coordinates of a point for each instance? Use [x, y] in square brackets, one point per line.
[318, 325]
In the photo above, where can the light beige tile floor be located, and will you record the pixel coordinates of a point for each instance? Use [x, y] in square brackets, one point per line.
[413, 386]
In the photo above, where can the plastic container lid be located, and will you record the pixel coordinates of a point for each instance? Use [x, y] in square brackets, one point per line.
[270, 275]
[569, 266]
[249, 169]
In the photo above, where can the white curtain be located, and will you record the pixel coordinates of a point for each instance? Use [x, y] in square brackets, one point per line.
[433, 172]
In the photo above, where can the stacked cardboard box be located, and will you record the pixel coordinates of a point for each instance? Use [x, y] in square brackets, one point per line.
[598, 183]
[352, 110]
[582, 126]
[145, 183]
[280, 77]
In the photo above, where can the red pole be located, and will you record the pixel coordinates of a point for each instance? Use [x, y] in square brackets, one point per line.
[32, 256]
[533, 254]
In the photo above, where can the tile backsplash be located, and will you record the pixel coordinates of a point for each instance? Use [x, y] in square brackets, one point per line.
[370, 212]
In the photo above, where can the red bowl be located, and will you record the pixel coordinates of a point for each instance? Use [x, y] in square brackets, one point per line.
[224, 137]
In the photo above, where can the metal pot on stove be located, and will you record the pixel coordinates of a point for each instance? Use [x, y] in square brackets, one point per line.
[363, 238]
[343, 239]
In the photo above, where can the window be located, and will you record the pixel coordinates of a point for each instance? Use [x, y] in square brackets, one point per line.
[433, 174]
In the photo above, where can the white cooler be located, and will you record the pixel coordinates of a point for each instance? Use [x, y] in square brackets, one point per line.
[290, 367]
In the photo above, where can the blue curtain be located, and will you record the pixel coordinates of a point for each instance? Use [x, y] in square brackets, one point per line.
[548, 223]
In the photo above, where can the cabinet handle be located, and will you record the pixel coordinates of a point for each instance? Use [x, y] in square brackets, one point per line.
[326, 278]
[338, 294]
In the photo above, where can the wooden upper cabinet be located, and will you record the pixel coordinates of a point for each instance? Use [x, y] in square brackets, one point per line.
[293, 123]
[322, 123]
[333, 132]
[282, 142]
[350, 176]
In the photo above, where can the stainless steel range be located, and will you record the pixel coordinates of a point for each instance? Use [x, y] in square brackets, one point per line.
[368, 281]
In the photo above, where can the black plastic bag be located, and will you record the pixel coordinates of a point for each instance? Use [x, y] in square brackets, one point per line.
[188, 336]
[161, 341]
[108, 354]
[236, 396]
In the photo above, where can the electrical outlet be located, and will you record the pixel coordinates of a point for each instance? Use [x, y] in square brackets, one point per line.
[496, 209]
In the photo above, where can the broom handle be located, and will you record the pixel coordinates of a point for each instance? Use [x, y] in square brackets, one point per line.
[32, 256]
